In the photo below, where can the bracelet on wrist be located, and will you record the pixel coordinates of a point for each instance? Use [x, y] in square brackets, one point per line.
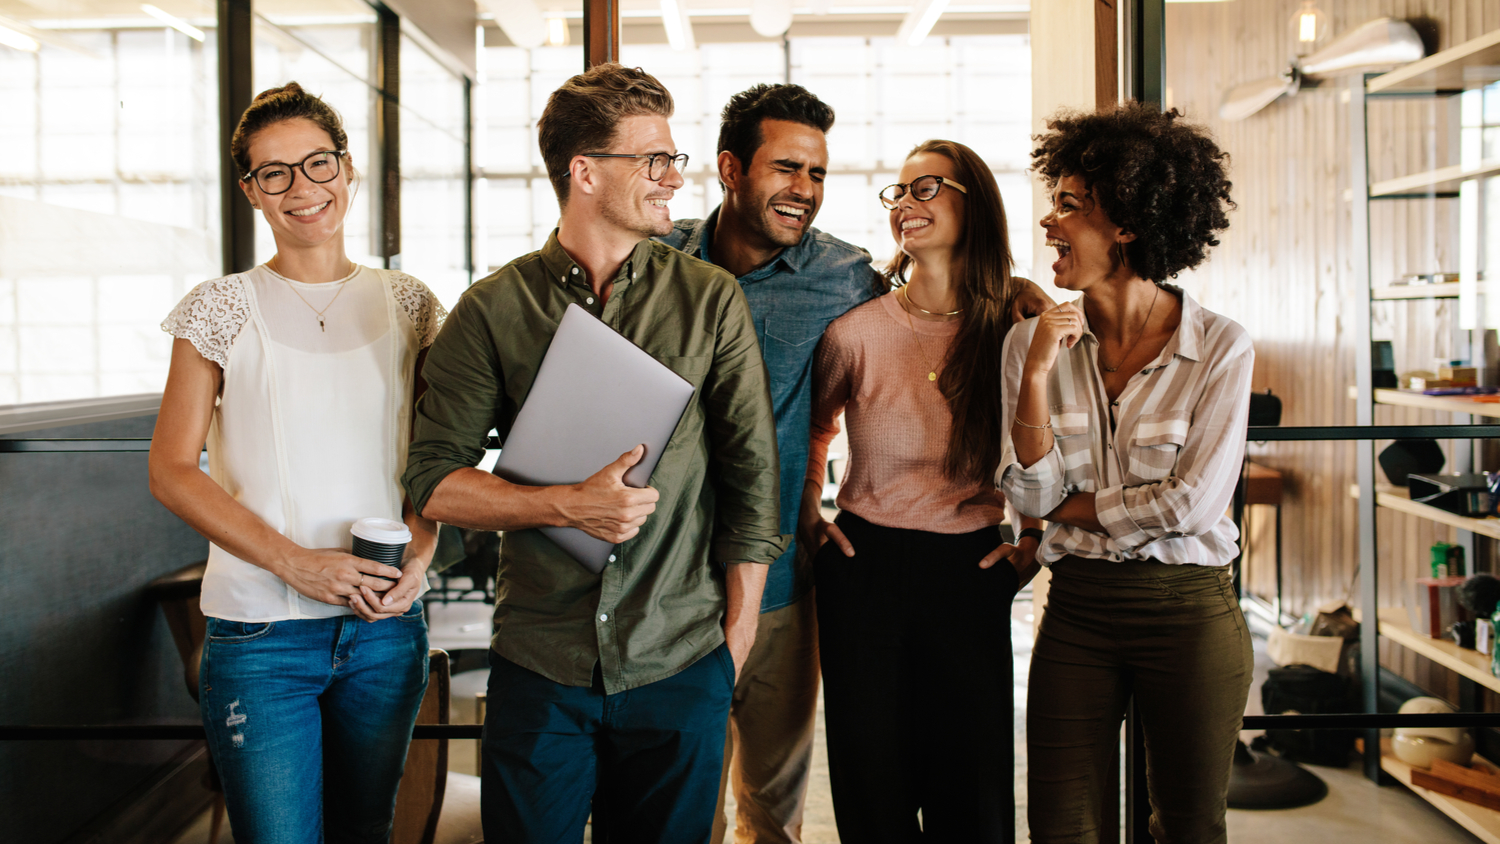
[1045, 427]
[1033, 533]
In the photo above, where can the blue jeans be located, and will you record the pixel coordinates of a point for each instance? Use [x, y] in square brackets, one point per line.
[308, 722]
[646, 760]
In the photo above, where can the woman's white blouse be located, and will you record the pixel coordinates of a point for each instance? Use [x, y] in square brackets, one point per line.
[311, 429]
[1164, 472]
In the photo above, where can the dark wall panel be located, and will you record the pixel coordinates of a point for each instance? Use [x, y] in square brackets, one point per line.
[80, 537]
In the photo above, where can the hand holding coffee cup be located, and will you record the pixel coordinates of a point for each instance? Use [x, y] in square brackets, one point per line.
[381, 540]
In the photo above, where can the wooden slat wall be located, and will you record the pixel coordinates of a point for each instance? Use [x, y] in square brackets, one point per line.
[1284, 271]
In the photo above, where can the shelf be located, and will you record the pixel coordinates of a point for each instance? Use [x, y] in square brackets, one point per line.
[1441, 180]
[1466, 661]
[1442, 290]
[1472, 64]
[1452, 404]
[1395, 498]
[1484, 823]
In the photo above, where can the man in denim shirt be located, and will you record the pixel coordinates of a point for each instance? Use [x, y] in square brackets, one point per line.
[773, 156]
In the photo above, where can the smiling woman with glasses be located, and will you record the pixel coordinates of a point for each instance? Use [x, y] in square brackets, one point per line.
[914, 632]
[301, 375]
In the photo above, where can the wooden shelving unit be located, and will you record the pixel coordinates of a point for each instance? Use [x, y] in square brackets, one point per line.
[1484, 823]
[1452, 404]
[1441, 180]
[1466, 661]
[1441, 290]
[1472, 64]
[1397, 499]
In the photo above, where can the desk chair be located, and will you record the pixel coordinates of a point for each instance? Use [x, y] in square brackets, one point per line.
[427, 788]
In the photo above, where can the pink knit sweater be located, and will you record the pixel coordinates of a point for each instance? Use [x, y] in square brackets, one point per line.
[869, 366]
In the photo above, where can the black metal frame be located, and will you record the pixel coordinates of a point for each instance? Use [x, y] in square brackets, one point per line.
[237, 217]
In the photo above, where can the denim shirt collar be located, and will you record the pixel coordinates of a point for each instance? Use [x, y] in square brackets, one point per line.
[791, 259]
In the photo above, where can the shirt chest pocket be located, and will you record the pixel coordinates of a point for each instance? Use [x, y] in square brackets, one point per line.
[1154, 448]
[788, 348]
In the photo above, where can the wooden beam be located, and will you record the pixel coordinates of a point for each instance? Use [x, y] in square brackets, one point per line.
[1106, 54]
[601, 32]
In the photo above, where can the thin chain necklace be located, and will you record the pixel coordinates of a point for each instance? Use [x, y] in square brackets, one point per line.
[321, 326]
[931, 370]
[1138, 336]
[906, 292]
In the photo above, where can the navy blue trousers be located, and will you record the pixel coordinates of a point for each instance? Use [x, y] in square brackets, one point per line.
[645, 761]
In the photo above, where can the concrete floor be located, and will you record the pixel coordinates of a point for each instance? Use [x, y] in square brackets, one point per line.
[1354, 811]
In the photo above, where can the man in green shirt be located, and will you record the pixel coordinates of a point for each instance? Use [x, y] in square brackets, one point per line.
[613, 687]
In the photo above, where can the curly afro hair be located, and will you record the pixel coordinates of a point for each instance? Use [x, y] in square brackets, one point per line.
[1155, 175]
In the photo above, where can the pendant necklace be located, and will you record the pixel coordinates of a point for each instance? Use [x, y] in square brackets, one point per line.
[321, 326]
[1138, 336]
[931, 370]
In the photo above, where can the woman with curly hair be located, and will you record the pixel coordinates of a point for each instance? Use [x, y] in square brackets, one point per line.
[1125, 411]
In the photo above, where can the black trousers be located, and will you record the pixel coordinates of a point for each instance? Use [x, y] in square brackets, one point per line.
[917, 685]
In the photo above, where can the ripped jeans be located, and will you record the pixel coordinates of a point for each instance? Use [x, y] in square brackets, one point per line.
[308, 722]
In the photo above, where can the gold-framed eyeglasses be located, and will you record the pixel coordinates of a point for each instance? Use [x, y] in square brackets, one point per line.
[922, 189]
[276, 177]
[657, 162]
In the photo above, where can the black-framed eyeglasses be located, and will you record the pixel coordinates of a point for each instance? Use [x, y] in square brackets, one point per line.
[276, 178]
[922, 189]
[657, 164]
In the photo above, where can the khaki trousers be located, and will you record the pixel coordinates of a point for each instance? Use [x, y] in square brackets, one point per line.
[1174, 638]
[768, 746]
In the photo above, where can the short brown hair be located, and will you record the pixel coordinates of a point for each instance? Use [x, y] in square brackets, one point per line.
[278, 105]
[583, 115]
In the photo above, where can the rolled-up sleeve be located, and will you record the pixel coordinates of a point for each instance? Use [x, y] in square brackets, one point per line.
[1038, 489]
[1192, 500]
[454, 416]
[742, 443]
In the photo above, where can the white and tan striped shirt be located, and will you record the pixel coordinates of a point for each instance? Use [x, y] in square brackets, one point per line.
[1164, 473]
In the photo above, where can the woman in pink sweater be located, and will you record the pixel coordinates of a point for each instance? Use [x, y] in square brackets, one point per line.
[913, 610]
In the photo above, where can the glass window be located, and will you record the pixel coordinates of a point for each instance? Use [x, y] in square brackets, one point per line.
[109, 194]
[434, 173]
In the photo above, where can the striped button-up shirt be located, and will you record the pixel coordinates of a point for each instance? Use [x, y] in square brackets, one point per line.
[1162, 460]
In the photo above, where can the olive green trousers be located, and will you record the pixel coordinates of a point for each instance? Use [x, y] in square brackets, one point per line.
[1173, 638]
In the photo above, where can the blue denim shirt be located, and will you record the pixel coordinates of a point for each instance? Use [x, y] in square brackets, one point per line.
[792, 299]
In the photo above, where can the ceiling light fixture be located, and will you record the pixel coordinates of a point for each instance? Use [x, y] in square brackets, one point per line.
[919, 21]
[675, 20]
[520, 20]
[10, 38]
[771, 18]
[1309, 27]
[557, 32]
[173, 21]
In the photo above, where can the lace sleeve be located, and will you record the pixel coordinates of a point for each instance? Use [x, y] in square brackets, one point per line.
[210, 317]
[421, 306]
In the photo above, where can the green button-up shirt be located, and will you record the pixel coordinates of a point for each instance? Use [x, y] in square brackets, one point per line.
[659, 606]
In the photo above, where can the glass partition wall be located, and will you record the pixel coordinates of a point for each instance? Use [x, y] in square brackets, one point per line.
[109, 192]
[111, 175]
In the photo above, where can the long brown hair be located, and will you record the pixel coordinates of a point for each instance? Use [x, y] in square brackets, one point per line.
[982, 266]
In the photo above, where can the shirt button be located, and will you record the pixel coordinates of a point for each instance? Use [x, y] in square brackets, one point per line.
[604, 616]
[575, 271]
[589, 300]
[611, 558]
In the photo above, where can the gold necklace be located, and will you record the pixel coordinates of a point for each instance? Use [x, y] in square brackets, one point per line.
[1138, 336]
[321, 326]
[906, 292]
[931, 370]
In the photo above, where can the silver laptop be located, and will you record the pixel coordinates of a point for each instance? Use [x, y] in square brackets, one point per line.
[596, 396]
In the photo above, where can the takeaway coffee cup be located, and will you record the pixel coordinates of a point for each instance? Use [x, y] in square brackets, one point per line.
[381, 540]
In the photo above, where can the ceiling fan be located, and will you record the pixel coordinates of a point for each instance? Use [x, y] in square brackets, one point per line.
[1382, 43]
